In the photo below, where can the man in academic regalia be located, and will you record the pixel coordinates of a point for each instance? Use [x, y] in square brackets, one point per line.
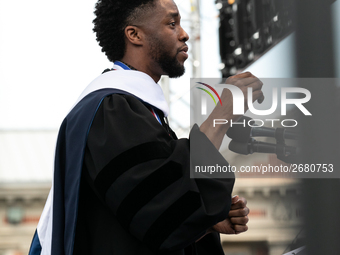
[122, 178]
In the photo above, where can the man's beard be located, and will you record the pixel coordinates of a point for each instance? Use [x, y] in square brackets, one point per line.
[170, 65]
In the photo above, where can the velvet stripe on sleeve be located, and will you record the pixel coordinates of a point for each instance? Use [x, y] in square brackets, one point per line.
[142, 176]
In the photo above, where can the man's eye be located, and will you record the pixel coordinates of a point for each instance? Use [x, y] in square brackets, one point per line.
[172, 24]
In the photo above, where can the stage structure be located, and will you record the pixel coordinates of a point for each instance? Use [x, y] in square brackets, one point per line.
[249, 28]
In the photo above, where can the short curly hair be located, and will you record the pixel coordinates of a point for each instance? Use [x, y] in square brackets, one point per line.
[112, 17]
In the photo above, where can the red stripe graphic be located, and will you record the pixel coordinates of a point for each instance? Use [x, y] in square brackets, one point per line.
[213, 90]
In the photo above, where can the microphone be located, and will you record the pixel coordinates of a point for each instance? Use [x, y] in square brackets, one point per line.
[242, 133]
[252, 146]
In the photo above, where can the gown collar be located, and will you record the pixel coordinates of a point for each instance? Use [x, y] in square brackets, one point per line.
[134, 82]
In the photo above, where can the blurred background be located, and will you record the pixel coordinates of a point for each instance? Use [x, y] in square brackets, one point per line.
[49, 54]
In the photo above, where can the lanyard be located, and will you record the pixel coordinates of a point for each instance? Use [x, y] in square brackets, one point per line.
[155, 115]
[122, 65]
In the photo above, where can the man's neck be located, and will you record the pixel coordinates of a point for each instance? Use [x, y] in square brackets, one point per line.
[141, 66]
[129, 66]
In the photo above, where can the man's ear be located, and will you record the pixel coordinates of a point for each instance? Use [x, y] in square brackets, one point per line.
[134, 35]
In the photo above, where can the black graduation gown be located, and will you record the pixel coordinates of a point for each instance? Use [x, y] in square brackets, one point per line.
[136, 194]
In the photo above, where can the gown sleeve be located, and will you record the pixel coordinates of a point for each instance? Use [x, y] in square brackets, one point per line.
[143, 176]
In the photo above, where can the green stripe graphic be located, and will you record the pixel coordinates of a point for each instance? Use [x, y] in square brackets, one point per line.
[208, 93]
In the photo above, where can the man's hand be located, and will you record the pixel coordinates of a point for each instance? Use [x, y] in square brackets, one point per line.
[243, 81]
[238, 218]
[237, 221]
[225, 111]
